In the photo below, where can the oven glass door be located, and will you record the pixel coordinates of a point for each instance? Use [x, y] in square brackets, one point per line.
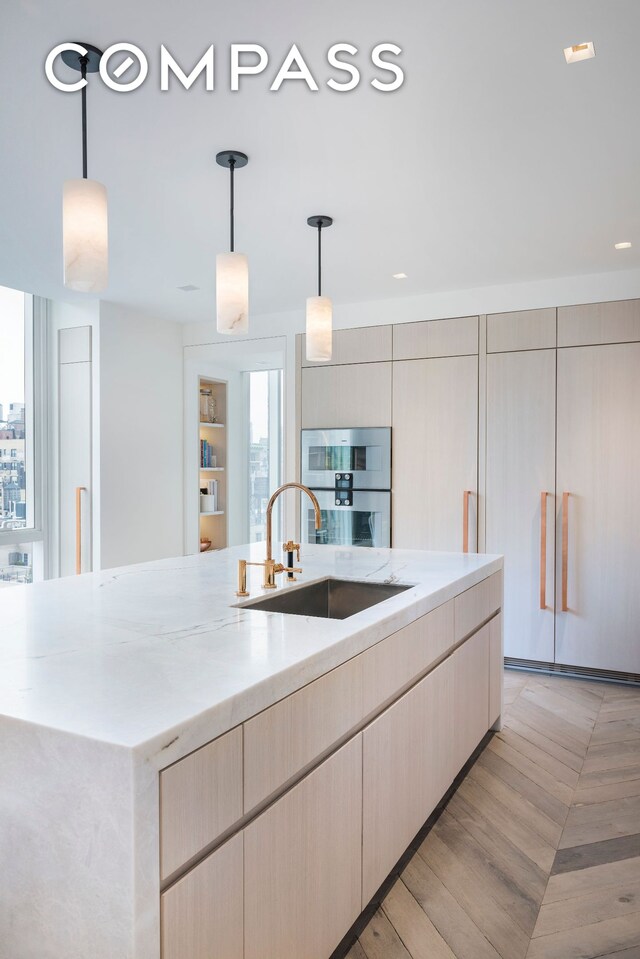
[365, 522]
[364, 454]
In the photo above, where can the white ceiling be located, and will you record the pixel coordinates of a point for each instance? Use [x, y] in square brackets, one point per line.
[495, 163]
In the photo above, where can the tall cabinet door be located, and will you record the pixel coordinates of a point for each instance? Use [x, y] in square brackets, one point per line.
[521, 424]
[303, 863]
[435, 453]
[598, 567]
[74, 443]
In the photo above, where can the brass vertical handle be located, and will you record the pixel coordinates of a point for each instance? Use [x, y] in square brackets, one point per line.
[543, 550]
[565, 552]
[465, 520]
[79, 491]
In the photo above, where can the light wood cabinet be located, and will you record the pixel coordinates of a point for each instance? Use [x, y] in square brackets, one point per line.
[598, 467]
[303, 863]
[435, 452]
[407, 767]
[593, 323]
[392, 665]
[369, 344]
[202, 914]
[299, 870]
[525, 330]
[521, 423]
[432, 338]
[470, 696]
[284, 739]
[496, 663]
[476, 605]
[346, 396]
[200, 798]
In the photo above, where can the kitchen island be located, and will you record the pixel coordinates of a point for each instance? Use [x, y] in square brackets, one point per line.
[186, 777]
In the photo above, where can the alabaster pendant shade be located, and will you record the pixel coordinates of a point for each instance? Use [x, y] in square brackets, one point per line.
[319, 328]
[232, 292]
[85, 235]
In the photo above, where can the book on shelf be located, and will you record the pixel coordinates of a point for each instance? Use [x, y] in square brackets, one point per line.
[208, 458]
[209, 497]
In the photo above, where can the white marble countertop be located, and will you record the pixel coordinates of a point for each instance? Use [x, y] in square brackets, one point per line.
[157, 658]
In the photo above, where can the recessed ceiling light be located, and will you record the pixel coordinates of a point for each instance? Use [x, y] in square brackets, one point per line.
[189, 288]
[623, 246]
[579, 51]
[399, 276]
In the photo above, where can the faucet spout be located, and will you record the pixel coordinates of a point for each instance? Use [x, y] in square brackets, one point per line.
[281, 489]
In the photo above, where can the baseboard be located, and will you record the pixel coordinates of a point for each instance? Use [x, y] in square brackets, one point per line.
[577, 672]
[365, 916]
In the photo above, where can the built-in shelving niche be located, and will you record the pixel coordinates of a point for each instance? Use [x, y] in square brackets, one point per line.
[213, 523]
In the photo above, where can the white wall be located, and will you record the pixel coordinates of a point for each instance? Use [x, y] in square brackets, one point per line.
[141, 437]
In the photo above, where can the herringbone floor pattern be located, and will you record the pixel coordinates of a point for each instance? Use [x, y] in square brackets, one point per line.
[537, 854]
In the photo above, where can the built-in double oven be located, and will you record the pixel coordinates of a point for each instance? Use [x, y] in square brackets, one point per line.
[349, 470]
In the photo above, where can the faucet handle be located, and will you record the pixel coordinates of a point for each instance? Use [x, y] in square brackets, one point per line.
[291, 547]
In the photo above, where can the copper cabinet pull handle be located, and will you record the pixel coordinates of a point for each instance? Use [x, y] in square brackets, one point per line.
[465, 520]
[543, 550]
[565, 551]
[79, 491]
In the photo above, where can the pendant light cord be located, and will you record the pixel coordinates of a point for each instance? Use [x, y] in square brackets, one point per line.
[319, 258]
[232, 165]
[83, 69]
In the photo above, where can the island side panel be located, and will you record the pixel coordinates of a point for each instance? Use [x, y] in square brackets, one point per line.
[66, 844]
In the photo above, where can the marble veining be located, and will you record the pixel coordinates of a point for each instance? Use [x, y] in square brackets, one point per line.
[137, 656]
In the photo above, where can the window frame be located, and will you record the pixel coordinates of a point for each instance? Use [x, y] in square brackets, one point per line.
[36, 431]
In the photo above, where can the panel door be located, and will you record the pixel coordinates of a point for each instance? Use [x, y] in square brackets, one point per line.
[369, 344]
[201, 915]
[303, 863]
[521, 414]
[470, 695]
[407, 767]
[435, 452]
[74, 425]
[346, 396]
[599, 467]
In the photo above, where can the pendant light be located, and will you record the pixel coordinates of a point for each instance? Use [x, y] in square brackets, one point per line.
[319, 308]
[232, 269]
[84, 204]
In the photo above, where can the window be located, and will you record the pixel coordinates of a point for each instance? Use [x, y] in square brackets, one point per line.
[265, 450]
[21, 553]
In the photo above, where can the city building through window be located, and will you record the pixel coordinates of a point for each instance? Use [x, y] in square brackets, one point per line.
[20, 535]
[265, 450]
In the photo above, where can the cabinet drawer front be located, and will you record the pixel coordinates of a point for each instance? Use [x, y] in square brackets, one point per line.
[407, 768]
[303, 863]
[202, 914]
[370, 344]
[595, 323]
[476, 605]
[284, 739]
[200, 798]
[526, 330]
[392, 665]
[456, 337]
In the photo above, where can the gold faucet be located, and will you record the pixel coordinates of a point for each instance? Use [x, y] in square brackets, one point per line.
[271, 568]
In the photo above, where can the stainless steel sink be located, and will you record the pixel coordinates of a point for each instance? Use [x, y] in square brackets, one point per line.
[328, 598]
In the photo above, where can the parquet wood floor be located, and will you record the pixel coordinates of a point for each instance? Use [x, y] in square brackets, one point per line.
[537, 853]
